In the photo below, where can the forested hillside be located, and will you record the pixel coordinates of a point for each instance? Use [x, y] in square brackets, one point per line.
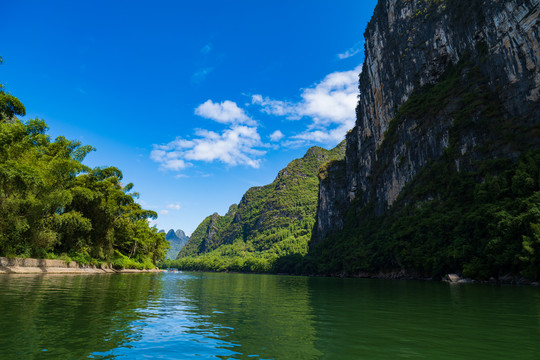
[53, 206]
[271, 222]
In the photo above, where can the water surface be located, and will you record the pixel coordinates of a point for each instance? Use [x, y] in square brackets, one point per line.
[241, 316]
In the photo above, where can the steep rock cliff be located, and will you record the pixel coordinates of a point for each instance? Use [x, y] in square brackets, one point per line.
[448, 54]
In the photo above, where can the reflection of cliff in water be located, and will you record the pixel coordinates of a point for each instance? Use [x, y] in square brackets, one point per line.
[391, 319]
[265, 315]
[71, 316]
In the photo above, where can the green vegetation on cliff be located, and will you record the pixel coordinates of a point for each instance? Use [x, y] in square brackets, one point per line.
[481, 224]
[51, 205]
[475, 212]
[270, 222]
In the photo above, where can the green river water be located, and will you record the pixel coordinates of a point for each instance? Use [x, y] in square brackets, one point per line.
[242, 316]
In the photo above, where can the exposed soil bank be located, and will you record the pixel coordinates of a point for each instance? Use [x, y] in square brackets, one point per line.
[45, 266]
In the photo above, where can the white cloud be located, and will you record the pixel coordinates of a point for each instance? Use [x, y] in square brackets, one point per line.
[169, 160]
[350, 52]
[330, 105]
[237, 145]
[276, 107]
[276, 135]
[226, 112]
[164, 212]
[334, 99]
[329, 137]
[174, 206]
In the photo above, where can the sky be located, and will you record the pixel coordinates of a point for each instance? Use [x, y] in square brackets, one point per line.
[195, 101]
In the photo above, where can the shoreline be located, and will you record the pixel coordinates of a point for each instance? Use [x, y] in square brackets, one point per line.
[398, 275]
[49, 266]
[448, 278]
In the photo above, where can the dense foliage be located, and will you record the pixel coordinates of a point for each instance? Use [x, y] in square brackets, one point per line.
[479, 229]
[51, 205]
[270, 223]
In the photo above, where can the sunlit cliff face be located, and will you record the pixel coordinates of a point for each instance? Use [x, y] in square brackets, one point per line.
[410, 45]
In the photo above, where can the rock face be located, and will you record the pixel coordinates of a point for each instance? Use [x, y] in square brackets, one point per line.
[447, 50]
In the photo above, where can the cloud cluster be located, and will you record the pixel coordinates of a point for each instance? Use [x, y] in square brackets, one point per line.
[330, 105]
[226, 112]
[237, 145]
[170, 207]
[276, 136]
[206, 48]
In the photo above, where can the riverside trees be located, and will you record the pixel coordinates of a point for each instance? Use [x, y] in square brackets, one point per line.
[52, 205]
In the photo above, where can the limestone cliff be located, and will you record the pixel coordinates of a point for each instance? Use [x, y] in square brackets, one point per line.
[476, 63]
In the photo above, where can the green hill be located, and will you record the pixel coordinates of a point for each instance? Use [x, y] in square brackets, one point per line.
[270, 222]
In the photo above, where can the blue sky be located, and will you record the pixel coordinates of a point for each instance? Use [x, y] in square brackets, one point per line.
[195, 101]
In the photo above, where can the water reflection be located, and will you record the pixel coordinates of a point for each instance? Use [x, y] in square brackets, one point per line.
[383, 319]
[260, 315]
[241, 316]
[71, 316]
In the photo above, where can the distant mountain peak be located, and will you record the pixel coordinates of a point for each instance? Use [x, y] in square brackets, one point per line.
[178, 239]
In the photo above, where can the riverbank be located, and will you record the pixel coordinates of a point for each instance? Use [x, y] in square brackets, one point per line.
[398, 275]
[46, 266]
[448, 278]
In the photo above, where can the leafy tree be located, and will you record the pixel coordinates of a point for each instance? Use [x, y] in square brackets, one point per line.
[52, 204]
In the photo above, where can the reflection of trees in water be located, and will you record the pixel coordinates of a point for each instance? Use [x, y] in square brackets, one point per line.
[385, 319]
[263, 315]
[71, 316]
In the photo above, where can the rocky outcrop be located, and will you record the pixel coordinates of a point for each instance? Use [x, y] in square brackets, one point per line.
[333, 198]
[450, 51]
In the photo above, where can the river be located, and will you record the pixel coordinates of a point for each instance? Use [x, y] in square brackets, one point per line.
[245, 316]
